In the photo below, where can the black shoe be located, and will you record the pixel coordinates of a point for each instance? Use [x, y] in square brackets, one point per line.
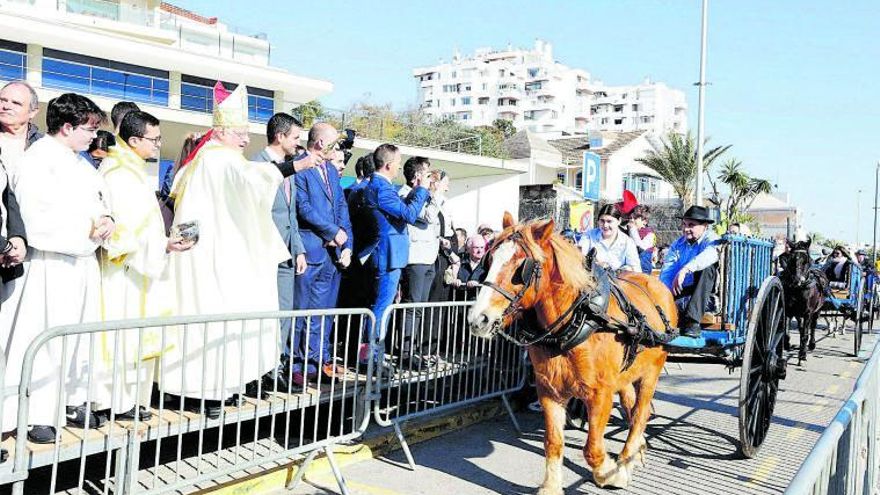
[143, 414]
[76, 417]
[41, 434]
[252, 388]
[211, 409]
[693, 331]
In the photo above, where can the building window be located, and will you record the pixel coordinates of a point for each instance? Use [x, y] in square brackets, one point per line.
[452, 101]
[95, 76]
[646, 119]
[604, 121]
[454, 74]
[533, 85]
[465, 100]
[579, 180]
[427, 104]
[483, 101]
[644, 187]
[635, 108]
[533, 72]
[13, 61]
[485, 86]
[465, 116]
[623, 96]
[467, 87]
[197, 94]
[554, 114]
[618, 121]
[618, 108]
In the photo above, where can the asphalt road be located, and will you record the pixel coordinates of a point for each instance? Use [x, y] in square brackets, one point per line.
[693, 438]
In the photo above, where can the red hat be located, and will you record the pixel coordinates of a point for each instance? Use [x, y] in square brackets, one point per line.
[629, 202]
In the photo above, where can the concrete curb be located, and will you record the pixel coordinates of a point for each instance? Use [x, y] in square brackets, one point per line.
[376, 442]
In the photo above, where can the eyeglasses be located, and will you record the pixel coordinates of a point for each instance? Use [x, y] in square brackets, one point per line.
[156, 140]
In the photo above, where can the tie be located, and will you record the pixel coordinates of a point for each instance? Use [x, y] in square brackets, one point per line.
[287, 189]
[326, 179]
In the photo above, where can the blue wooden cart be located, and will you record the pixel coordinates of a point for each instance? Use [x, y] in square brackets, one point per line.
[847, 303]
[748, 332]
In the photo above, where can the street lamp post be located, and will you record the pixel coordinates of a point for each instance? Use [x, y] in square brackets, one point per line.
[702, 101]
[874, 247]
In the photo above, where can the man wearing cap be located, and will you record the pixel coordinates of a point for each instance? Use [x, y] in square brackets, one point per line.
[232, 269]
[690, 268]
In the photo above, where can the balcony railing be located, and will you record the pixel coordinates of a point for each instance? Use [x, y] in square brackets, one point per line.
[114, 11]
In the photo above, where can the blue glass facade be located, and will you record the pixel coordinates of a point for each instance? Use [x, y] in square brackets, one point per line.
[103, 81]
[13, 65]
[200, 98]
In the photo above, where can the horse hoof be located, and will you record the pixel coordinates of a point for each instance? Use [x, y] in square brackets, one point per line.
[812, 346]
[612, 474]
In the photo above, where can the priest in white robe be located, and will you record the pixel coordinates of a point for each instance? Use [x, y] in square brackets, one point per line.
[232, 268]
[133, 263]
[62, 200]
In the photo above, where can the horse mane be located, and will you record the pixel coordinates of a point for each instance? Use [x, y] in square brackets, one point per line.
[568, 257]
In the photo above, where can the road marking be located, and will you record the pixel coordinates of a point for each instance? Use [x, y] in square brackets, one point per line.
[764, 470]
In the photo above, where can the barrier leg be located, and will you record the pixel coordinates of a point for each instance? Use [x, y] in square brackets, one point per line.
[335, 468]
[123, 476]
[510, 413]
[301, 470]
[404, 446]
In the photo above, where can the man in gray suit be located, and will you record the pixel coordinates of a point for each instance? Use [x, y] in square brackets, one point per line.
[282, 133]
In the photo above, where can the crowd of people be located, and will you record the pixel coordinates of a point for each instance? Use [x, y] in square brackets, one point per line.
[86, 238]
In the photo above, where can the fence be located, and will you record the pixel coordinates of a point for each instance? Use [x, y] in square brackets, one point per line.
[436, 365]
[216, 411]
[845, 460]
[189, 436]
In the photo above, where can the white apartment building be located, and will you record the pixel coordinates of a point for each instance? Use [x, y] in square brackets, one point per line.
[649, 106]
[164, 58]
[537, 93]
[526, 87]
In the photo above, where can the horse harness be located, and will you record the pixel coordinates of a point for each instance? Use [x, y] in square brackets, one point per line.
[587, 315]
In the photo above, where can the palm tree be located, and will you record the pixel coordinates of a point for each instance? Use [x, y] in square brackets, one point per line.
[743, 189]
[676, 163]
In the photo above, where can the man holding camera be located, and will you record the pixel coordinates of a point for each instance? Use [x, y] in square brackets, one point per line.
[388, 254]
[325, 230]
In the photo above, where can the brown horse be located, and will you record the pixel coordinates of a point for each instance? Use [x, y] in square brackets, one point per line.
[594, 370]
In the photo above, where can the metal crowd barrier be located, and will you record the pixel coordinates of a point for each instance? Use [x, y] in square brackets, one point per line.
[845, 460]
[434, 364]
[193, 439]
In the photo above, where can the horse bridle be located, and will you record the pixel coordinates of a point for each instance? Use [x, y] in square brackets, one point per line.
[530, 272]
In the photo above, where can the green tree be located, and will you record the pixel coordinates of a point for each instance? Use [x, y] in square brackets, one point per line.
[676, 163]
[310, 112]
[505, 127]
[742, 191]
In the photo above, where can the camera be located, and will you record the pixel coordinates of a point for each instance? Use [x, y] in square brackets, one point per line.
[346, 143]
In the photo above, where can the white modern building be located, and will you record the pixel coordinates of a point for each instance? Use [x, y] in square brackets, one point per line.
[535, 92]
[649, 106]
[527, 87]
[163, 57]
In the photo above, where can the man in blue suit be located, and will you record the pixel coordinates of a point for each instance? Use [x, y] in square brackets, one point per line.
[388, 252]
[326, 235]
[282, 133]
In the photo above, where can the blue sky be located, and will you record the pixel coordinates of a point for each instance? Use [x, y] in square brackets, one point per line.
[794, 83]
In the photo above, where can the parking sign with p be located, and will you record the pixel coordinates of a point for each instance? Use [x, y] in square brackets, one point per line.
[591, 175]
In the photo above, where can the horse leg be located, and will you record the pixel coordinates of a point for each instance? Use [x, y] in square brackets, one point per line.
[812, 319]
[605, 470]
[554, 443]
[636, 446]
[804, 332]
[628, 401]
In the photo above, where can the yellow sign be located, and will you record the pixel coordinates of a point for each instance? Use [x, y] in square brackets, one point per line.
[581, 216]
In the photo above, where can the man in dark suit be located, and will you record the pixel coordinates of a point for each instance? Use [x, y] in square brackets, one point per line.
[326, 235]
[363, 226]
[388, 253]
[282, 134]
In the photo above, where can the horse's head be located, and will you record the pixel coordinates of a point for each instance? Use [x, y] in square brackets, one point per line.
[522, 268]
[796, 271]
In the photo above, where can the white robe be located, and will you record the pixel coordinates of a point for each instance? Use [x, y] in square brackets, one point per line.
[61, 196]
[232, 269]
[132, 285]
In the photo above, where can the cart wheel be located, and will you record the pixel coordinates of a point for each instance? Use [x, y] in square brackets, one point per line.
[859, 321]
[762, 366]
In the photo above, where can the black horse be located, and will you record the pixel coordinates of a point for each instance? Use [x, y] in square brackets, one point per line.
[805, 288]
